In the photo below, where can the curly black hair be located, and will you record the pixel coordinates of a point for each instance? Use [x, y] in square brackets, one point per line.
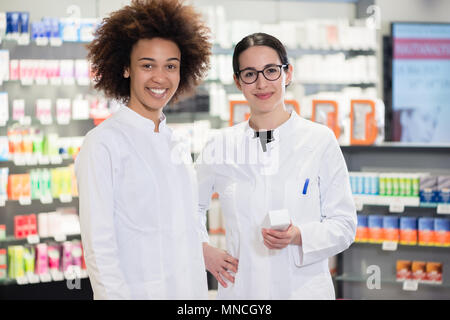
[110, 50]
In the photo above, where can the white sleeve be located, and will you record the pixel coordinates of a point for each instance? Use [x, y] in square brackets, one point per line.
[205, 179]
[337, 230]
[95, 185]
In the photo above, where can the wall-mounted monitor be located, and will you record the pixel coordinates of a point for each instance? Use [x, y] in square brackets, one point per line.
[421, 82]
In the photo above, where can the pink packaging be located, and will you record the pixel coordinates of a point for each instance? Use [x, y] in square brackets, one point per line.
[14, 69]
[41, 258]
[66, 255]
[54, 257]
[77, 253]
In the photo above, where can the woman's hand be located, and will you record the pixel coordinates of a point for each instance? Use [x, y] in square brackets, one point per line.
[275, 239]
[219, 263]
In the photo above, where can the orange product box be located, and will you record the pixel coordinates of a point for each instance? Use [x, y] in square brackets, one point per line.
[18, 186]
[419, 270]
[376, 232]
[426, 231]
[362, 230]
[442, 232]
[408, 230]
[404, 270]
[390, 226]
[434, 272]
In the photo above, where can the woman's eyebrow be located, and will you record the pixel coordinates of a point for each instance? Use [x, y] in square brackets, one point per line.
[151, 59]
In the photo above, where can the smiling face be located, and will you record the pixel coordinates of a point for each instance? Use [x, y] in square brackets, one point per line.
[264, 96]
[154, 74]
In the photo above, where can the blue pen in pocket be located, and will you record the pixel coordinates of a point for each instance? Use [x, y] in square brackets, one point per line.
[305, 187]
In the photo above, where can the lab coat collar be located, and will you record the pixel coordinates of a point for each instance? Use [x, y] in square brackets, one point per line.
[135, 119]
[281, 133]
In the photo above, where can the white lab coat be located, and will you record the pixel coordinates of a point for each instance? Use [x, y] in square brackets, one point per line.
[248, 189]
[138, 203]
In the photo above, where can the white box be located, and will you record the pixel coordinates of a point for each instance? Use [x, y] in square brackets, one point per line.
[279, 219]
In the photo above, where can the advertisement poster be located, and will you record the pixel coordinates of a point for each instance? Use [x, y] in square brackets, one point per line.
[421, 82]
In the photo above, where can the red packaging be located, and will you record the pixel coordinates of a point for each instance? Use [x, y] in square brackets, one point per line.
[434, 272]
[419, 270]
[404, 270]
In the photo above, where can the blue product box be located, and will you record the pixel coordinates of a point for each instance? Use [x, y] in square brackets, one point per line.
[375, 221]
[426, 224]
[443, 186]
[408, 223]
[363, 221]
[391, 222]
[428, 191]
[12, 22]
[24, 22]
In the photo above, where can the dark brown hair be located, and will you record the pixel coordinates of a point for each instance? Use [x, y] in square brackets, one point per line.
[258, 39]
[110, 50]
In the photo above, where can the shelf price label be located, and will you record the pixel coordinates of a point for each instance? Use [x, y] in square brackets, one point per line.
[65, 198]
[33, 239]
[359, 204]
[410, 285]
[56, 159]
[57, 275]
[397, 206]
[22, 280]
[389, 246]
[45, 277]
[33, 278]
[60, 237]
[443, 208]
[2, 201]
[25, 201]
[46, 199]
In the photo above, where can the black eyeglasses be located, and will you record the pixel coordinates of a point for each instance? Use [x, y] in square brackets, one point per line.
[271, 73]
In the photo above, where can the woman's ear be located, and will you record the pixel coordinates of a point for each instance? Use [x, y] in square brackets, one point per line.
[126, 73]
[289, 74]
[236, 82]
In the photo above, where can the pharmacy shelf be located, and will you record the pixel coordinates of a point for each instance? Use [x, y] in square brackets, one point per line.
[398, 204]
[386, 280]
[12, 241]
[390, 246]
[54, 276]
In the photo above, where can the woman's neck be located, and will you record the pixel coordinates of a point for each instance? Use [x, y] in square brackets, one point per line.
[270, 120]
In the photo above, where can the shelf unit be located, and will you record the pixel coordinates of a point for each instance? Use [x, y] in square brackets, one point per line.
[353, 263]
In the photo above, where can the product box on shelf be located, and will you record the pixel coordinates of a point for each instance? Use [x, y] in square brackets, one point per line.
[434, 272]
[426, 231]
[25, 225]
[428, 189]
[419, 270]
[376, 233]
[408, 230]
[2, 232]
[362, 229]
[3, 258]
[404, 270]
[391, 228]
[442, 232]
[18, 186]
[443, 186]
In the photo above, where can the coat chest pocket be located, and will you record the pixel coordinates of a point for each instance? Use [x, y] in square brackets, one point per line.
[302, 198]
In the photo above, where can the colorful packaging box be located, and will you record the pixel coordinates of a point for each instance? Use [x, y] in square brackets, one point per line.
[391, 228]
[41, 258]
[428, 189]
[419, 270]
[2, 232]
[362, 229]
[434, 272]
[404, 270]
[376, 233]
[3, 260]
[443, 186]
[426, 231]
[408, 230]
[442, 232]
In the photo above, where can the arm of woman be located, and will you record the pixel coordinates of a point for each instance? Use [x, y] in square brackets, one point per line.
[95, 185]
[218, 262]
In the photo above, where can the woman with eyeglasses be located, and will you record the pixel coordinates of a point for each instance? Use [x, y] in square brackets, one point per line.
[283, 187]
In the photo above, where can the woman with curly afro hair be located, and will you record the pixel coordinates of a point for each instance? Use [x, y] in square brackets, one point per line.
[137, 191]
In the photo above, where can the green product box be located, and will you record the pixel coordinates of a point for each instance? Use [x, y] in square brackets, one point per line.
[388, 186]
[382, 185]
[395, 186]
[415, 186]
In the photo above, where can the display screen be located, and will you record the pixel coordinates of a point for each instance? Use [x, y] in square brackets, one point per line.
[421, 82]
